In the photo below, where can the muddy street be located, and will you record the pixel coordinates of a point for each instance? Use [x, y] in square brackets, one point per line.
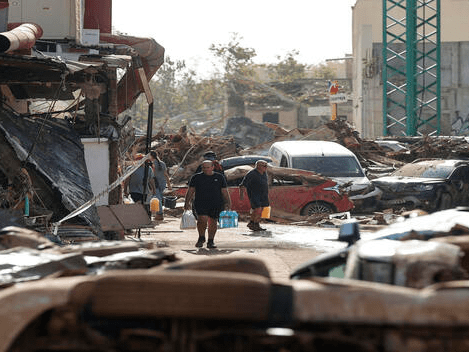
[282, 247]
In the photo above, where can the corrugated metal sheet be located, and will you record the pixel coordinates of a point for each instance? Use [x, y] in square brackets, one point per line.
[57, 154]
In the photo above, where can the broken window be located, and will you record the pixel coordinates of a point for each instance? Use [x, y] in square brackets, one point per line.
[270, 117]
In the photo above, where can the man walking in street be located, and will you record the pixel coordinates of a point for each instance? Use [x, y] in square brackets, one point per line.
[161, 179]
[133, 186]
[257, 187]
[211, 197]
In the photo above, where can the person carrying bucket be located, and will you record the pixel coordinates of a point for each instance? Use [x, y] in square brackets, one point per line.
[257, 187]
[161, 179]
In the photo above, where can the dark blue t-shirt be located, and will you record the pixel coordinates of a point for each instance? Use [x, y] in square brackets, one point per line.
[257, 187]
[208, 190]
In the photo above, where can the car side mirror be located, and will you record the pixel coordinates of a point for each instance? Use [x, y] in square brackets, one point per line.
[349, 232]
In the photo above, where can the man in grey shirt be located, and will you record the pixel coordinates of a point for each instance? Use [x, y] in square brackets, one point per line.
[134, 185]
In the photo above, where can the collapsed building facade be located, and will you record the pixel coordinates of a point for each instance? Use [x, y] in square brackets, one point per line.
[63, 90]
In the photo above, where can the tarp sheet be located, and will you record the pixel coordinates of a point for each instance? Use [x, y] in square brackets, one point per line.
[58, 155]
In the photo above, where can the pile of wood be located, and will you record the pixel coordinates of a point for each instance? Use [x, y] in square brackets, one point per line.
[432, 147]
[183, 152]
[445, 147]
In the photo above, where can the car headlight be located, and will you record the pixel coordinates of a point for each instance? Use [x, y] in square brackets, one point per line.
[421, 188]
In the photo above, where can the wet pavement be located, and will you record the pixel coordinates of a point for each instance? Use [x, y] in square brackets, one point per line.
[282, 247]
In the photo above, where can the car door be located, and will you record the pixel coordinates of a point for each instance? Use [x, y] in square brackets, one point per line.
[288, 198]
[238, 204]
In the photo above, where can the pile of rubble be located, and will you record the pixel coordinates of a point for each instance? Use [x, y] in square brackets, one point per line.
[183, 150]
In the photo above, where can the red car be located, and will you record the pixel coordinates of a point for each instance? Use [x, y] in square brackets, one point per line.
[290, 190]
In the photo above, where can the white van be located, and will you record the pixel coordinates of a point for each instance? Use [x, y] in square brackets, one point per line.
[329, 159]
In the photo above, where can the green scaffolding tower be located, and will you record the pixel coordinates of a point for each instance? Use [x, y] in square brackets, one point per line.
[411, 67]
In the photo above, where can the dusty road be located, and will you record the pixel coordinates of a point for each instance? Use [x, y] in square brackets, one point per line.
[281, 247]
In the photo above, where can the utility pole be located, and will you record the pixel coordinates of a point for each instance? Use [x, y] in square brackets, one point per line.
[333, 90]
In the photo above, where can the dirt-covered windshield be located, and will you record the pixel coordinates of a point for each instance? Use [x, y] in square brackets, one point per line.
[340, 166]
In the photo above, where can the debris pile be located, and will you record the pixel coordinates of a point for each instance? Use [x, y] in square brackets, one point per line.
[38, 257]
[432, 147]
[182, 152]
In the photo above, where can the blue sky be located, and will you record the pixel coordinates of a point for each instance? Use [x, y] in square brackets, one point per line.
[318, 29]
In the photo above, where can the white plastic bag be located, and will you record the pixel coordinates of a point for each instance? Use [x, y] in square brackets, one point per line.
[188, 220]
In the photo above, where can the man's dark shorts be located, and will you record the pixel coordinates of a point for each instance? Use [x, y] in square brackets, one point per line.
[212, 213]
[258, 201]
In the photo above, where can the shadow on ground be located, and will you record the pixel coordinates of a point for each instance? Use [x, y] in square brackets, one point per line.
[206, 251]
[258, 234]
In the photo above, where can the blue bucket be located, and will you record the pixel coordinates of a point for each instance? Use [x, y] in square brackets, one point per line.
[228, 218]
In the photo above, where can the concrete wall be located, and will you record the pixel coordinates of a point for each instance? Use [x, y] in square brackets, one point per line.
[454, 118]
[56, 17]
[367, 71]
[287, 118]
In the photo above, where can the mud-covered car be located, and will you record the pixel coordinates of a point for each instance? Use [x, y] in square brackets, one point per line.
[430, 184]
[228, 163]
[331, 160]
[417, 252]
[291, 191]
[140, 303]
[298, 192]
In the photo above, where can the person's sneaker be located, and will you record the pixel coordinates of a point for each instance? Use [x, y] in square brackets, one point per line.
[250, 225]
[210, 244]
[257, 227]
[200, 242]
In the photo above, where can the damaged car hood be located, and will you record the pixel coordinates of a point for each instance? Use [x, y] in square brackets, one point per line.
[399, 181]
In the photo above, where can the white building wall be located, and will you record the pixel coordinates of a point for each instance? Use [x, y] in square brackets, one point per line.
[56, 17]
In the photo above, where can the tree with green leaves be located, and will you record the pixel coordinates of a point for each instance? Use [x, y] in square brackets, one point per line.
[237, 63]
[288, 69]
[179, 97]
[182, 98]
[327, 72]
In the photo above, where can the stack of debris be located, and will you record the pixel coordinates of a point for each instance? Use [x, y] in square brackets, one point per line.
[432, 147]
[182, 152]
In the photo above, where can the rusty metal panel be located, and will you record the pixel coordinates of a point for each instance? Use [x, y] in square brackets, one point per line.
[109, 221]
[98, 15]
[131, 216]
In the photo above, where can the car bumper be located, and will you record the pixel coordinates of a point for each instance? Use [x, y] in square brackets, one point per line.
[366, 202]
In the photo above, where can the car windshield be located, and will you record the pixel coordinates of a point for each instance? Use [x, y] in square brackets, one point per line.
[338, 166]
[425, 170]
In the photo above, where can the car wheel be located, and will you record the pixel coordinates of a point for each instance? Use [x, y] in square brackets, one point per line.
[316, 208]
[445, 201]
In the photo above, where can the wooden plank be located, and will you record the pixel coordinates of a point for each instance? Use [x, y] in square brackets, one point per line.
[131, 216]
[109, 221]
